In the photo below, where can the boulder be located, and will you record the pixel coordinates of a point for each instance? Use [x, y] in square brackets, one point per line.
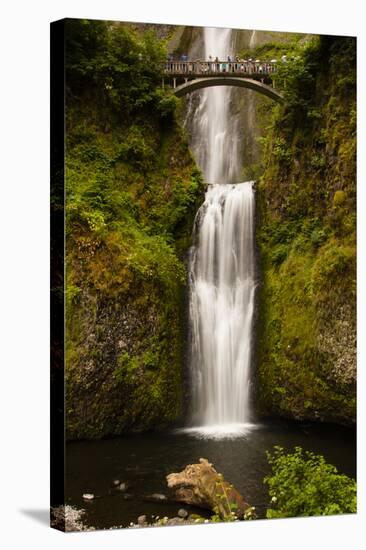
[201, 485]
[175, 521]
[122, 487]
[156, 497]
[68, 518]
[141, 520]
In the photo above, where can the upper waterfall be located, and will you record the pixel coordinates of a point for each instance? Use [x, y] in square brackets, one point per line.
[214, 130]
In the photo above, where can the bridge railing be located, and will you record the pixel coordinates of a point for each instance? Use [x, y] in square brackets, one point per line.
[212, 68]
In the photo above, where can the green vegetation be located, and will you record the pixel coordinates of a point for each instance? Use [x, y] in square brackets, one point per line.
[304, 484]
[120, 64]
[226, 510]
[132, 190]
[260, 110]
[307, 237]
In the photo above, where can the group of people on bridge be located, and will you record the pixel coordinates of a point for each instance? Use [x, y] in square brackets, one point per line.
[215, 66]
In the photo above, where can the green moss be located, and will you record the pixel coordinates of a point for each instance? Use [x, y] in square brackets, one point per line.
[306, 237]
[132, 190]
[339, 198]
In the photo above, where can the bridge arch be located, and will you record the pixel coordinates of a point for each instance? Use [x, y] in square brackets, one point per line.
[240, 82]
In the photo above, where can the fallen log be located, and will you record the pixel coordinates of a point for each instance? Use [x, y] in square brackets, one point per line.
[201, 485]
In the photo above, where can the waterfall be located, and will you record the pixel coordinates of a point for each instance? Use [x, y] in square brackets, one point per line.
[221, 307]
[221, 265]
[253, 40]
[214, 131]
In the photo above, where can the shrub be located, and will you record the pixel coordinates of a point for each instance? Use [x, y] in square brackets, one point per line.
[120, 64]
[279, 253]
[318, 236]
[304, 484]
[282, 151]
[167, 103]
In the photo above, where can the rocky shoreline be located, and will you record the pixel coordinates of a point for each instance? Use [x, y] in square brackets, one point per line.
[198, 485]
[70, 519]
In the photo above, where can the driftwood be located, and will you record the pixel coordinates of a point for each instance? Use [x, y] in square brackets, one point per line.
[200, 485]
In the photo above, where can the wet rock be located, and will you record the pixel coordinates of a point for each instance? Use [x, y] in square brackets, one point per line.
[88, 496]
[141, 520]
[156, 497]
[201, 485]
[122, 344]
[156, 521]
[68, 518]
[175, 521]
[118, 485]
[182, 513]
[122, 487]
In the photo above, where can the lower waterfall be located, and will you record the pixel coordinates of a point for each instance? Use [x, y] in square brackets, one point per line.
[221, 308]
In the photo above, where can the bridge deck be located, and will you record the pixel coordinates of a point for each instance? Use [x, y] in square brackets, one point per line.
[255, 75]
[223, 68]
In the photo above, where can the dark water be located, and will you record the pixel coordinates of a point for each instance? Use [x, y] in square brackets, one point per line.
[144, 461]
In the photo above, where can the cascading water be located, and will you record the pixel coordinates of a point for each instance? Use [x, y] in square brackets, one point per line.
[215, 133]
[221, 308]
[253, 40]
[222, 265]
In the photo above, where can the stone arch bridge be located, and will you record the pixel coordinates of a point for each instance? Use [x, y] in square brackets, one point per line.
[188, 76]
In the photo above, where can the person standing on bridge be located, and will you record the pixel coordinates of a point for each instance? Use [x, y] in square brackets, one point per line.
[209, 63]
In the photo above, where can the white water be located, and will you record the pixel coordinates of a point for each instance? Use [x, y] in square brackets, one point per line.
[253, 40]
[221, 308]
[221, 267]
[215, 140]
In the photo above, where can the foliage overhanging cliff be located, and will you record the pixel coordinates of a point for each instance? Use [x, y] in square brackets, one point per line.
[306, 233]
[132, 190]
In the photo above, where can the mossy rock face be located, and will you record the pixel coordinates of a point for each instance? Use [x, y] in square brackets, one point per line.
[126, 287]
[107, 395]
[306, 352]
[132, 191]
[339, 198]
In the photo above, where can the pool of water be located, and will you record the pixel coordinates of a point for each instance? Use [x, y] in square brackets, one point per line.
[144, 460]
